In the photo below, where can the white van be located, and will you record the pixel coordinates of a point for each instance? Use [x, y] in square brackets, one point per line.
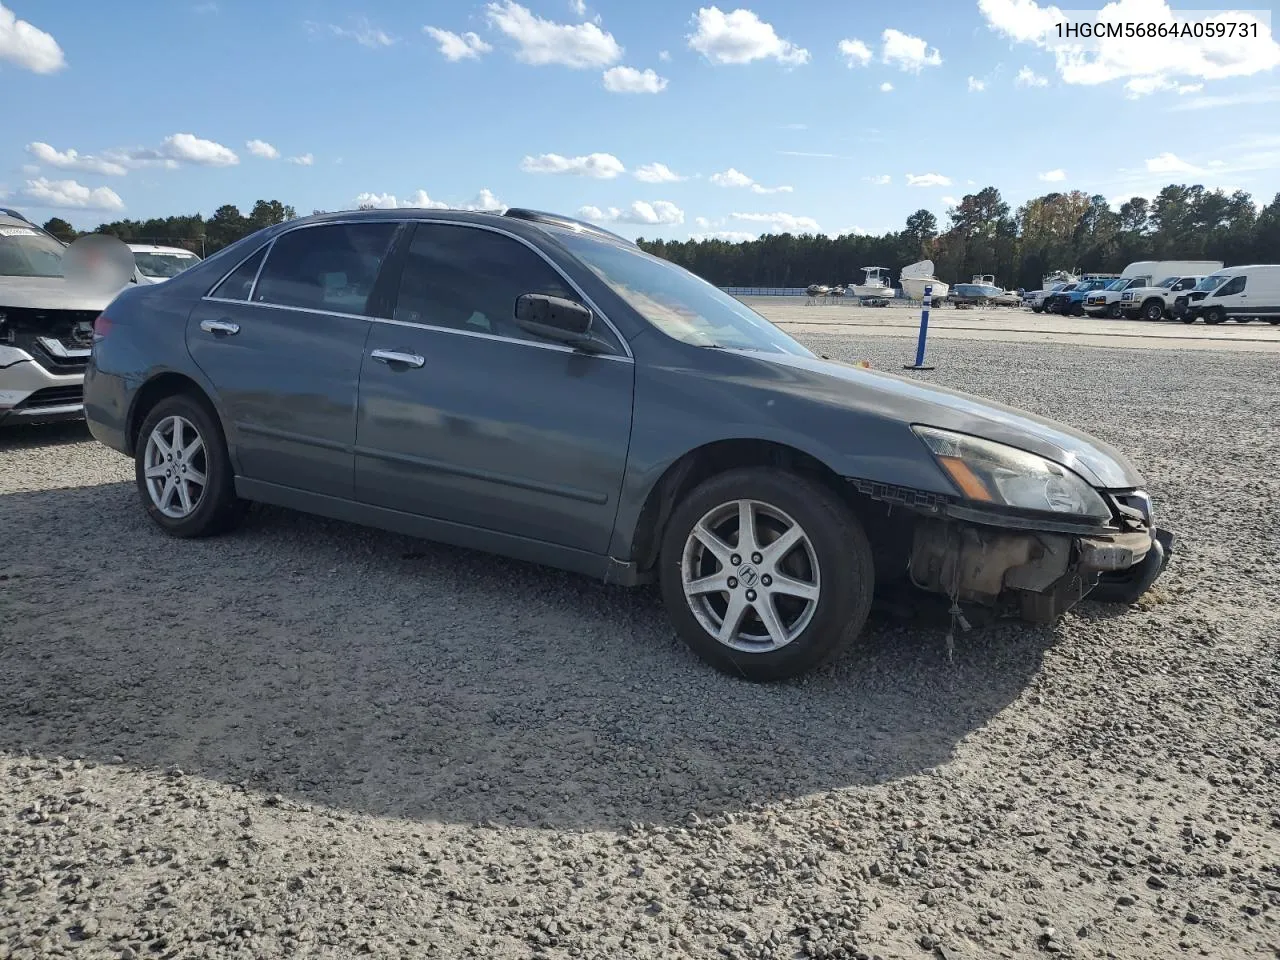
[1239, 293]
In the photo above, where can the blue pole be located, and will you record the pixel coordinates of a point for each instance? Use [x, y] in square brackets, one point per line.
[924, 331]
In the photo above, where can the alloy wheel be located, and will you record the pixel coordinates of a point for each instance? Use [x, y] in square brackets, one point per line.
[750, 575]
[175, 465]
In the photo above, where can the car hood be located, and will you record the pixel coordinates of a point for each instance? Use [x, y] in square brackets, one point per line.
[50, 293]
[911, 401]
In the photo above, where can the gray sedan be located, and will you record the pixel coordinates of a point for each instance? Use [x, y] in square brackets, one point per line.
[533, 386]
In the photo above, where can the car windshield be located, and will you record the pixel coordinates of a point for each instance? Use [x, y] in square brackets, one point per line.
[677, 302]
[1119, 284]
[1212, 283]
[27, 252]
[162, 264]
[1067, 288]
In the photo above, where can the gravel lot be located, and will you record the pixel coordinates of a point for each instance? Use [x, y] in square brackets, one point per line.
[312, 739]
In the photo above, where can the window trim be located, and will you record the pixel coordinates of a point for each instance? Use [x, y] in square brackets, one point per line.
[577, 288]
[1220, 292]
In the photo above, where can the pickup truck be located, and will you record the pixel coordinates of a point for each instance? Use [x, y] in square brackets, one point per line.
[1106, 302]
[1155, 303]
[1071, 302]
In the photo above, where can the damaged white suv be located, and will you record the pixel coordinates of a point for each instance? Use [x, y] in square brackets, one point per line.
[46, 327]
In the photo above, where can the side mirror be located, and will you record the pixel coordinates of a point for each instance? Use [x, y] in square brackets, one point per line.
[556, 319]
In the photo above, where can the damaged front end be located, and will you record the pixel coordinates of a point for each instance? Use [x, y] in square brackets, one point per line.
[43, 354]
[1037, 574]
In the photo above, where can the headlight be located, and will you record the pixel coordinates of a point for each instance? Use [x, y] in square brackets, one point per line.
[11, 355]
[994, 473]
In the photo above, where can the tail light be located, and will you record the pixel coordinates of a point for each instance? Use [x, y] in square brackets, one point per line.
[101, 326]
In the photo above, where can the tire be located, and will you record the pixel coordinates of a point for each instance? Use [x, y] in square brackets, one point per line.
[1214, 315]
[1113, 311]
[812, 631]
[214, 506]
[1153, 310]
[1188, 317]
[1077, 309]
[1037, 308]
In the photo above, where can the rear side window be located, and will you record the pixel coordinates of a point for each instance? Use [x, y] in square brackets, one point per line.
[331, 268]
[1234, 285]
[239, 282]
[469, 279]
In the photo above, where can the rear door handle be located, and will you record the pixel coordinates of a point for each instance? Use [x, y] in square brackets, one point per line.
[224, 328]
[395, 356]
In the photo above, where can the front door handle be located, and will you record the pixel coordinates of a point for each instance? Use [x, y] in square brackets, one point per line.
[223, 328]
[395, 356]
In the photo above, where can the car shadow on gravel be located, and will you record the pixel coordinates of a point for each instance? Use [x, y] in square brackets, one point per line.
[26, 437]
[369, 672]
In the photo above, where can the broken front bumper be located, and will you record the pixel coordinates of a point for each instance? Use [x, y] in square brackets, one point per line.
[1040, 574]
[31, 394]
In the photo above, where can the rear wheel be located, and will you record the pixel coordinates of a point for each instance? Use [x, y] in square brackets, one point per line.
[182, 469]
[765, 574]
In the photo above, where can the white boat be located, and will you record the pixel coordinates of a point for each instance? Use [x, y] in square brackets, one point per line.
[875, 285]
[919, 275]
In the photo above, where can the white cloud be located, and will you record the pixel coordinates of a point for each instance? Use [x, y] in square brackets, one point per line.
[1053, 176]
[601, 166]
[656, 173]
[855, 52]
[883, 180]
[362, 33]
[388, 201]
[303, 160]
[928, 180]
[886, 87]
[27, 46]
[908, 53]
[976, 85]
[579, 7]
[457, 46]
[729, 236]
[1170, 163]
[485, 200]
[543, 42]
[785, 222]
[664, 55]
[736, 178]
[657, 213]
[71, 160]
[950, 201]
[1029, 78]
[68, 194]
[260, 148]
[28, 168]
[1214, 102]
[1145, 64]
[1186, 88]
[631, 80]
[188, 148]
[740, 37]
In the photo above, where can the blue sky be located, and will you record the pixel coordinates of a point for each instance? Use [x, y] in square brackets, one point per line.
[663, 118]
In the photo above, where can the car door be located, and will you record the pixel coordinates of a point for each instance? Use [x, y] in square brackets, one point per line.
[281, 340]
[465, 417]
[1231, 296]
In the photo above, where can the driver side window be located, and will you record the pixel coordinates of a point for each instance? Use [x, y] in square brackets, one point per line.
[468, 278]
[1232, 286]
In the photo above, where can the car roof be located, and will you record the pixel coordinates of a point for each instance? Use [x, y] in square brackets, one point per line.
[7, 220]
[512, 217]
[155, 248]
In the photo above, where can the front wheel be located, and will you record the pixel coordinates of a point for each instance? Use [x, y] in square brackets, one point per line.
[1037, 308]
[1113, 311]
[183, 471]
[765, 574]
[1214, 315]
[1153, 310]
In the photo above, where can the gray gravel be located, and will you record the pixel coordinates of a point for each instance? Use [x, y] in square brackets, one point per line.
[312, 739]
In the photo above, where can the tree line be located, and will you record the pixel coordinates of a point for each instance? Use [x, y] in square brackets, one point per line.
[1071, 231]
[983, 235]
